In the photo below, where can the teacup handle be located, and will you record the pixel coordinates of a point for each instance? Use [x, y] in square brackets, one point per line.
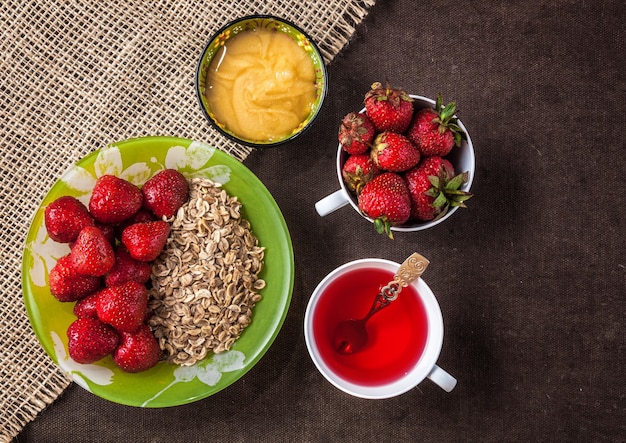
[331, 203]
[442, 378]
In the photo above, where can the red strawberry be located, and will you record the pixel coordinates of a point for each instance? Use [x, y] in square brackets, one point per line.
[108, 231]
[436, 131]
[145, 241]
[394, 152]
[86, 307]
[434, 188]
[137, 350]
[390, 109]
[114, 199]
[356, 133]
[90, 340]
[142, 216]
[92, 254]
[165, 192]
[123, 306]
[126, 269]
[386, 200]
[65, 217]
[66, 284]
[358, 170]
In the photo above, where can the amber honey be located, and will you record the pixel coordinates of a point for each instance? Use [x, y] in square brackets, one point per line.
[261, 85]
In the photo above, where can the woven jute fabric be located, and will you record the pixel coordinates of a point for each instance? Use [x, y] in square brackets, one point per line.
[76, 76]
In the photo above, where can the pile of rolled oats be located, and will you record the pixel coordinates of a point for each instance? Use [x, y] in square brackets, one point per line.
[205, 283]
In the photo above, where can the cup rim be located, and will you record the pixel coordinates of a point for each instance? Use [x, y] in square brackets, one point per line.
[427, 360]
[422, 225]
[232, 136]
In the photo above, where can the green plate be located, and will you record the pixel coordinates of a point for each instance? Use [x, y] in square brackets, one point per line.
[165, 384]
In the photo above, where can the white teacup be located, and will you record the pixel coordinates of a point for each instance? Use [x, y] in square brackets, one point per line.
[462, 158]
[415, 350]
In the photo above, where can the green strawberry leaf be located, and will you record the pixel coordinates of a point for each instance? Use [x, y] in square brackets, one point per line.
[434, 180]
[458, 133]
[440, 201]
[457, 181]
[461, 198]
[455, 193]
[458, 204]
[379, 225]
[458, 139]
[433, 192]
[438, 103]
[447, 112]
[455, 127]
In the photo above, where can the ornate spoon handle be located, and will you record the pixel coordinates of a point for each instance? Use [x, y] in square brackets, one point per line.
[409, 271]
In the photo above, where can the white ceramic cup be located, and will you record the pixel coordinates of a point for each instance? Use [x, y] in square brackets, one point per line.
[425, 367]
[462, 158]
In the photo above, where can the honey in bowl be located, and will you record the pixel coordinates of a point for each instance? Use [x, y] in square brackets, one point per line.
[260, 85]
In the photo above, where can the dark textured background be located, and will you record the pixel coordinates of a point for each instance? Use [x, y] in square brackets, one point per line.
[531, 278]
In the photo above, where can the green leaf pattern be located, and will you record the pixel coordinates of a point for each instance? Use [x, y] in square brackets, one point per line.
[208, 372]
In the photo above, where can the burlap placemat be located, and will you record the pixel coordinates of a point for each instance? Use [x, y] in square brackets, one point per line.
[75, 76]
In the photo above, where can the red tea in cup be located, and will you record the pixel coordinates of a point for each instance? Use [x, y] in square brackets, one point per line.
[397, 334]
[404, 338]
